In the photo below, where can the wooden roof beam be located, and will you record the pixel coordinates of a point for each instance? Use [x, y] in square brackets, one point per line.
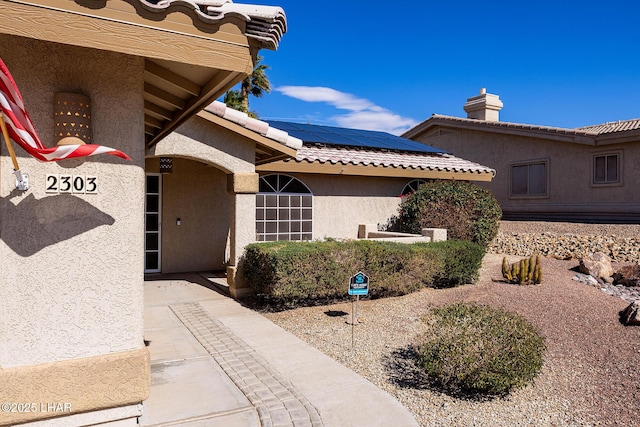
[157, 111]
[209, 92]
[171, 78]
[164, 96]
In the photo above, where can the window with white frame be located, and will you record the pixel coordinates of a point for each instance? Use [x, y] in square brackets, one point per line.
[152, 223]
[284, 209]
[529, 179]
[412, 186]
[606, 168]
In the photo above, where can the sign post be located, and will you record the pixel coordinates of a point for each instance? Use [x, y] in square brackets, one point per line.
[358, 285]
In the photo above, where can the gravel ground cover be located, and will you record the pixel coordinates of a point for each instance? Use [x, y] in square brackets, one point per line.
[591, 372]
[565, 240]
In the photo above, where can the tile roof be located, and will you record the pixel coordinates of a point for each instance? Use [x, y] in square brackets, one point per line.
[220, 109]
[509, 125]
[265, 24]
[365, 157]
[432, 160]
[611, 127]
[585, 133]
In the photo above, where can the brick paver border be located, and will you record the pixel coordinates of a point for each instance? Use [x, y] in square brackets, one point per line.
[277, 402]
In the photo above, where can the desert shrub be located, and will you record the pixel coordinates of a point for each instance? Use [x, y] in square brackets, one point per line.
[466, 210]
[295, 273]
[471, 349]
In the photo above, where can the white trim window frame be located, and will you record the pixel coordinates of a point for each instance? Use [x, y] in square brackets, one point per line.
[529, 179]
[606, 169]
[412, 186]
[284, 209]
[153, 225]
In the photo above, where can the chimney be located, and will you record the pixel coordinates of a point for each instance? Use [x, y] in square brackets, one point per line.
[483, 107]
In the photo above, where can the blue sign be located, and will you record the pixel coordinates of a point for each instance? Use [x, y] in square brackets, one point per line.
[359, 284]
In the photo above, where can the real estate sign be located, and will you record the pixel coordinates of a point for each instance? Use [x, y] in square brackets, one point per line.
[359, 284]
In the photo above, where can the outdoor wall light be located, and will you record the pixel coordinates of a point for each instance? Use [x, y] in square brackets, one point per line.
[72, 115]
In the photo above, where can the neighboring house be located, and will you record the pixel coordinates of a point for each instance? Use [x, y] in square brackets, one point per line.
[72, 269]
[235, 180]
[589, 174]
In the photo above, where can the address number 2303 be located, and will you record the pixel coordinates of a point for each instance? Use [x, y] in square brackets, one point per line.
[76, 184]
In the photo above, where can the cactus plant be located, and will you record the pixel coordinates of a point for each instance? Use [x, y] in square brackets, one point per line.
[527, 271]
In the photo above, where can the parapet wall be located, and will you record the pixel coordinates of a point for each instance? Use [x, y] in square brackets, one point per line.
[371, 232]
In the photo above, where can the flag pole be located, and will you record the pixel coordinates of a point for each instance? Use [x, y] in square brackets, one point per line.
[5, 133]
[22, 179]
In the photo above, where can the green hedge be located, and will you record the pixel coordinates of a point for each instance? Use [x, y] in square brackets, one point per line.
[462, 262]
[303, 272]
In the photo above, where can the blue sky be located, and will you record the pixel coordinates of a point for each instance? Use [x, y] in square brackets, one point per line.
[390, 65]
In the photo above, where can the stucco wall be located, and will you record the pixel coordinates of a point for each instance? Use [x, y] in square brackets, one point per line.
[197, 194]
[72, 265]
[569, 170]
[208, 143]
[341, 203]
[197, 191]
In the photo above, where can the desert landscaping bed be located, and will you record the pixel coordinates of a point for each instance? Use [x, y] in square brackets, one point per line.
[591, 372]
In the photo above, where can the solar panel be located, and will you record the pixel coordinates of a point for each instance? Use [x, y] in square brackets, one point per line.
[319, 134]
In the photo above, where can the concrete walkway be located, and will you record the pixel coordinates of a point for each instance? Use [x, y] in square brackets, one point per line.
[216, 363]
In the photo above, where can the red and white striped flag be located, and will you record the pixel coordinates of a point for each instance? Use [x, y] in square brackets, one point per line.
[23, 133]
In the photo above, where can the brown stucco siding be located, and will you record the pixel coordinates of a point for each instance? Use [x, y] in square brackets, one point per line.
[73, 262]
[341, 203]
[570, 188]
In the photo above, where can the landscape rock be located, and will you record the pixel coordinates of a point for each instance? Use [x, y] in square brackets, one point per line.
[631, 315]
[565, 245]
[597, 265]
[627, 293]
[628, 275]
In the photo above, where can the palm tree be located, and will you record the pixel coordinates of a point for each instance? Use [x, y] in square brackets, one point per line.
[233, 100]
[256, 84]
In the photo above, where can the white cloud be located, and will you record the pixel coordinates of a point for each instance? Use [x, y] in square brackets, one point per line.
[384, 121]
[363, 114]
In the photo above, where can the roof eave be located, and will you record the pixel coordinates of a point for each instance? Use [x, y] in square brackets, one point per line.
[327, 168]
[198, 58]
[267, 150]
[619, 137]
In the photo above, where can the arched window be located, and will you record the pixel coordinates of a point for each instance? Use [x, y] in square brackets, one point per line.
[412, 186]
[284, 209]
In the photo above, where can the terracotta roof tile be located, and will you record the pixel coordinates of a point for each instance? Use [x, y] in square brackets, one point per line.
[321, 153]
[220, 109]
[611, 127]
[587, 131]
[265, 24]
[423, 161]
[509, 125]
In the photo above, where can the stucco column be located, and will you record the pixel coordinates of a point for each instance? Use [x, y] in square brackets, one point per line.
[242, 188]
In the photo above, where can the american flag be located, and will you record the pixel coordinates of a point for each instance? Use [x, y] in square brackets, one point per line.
[23, 133]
